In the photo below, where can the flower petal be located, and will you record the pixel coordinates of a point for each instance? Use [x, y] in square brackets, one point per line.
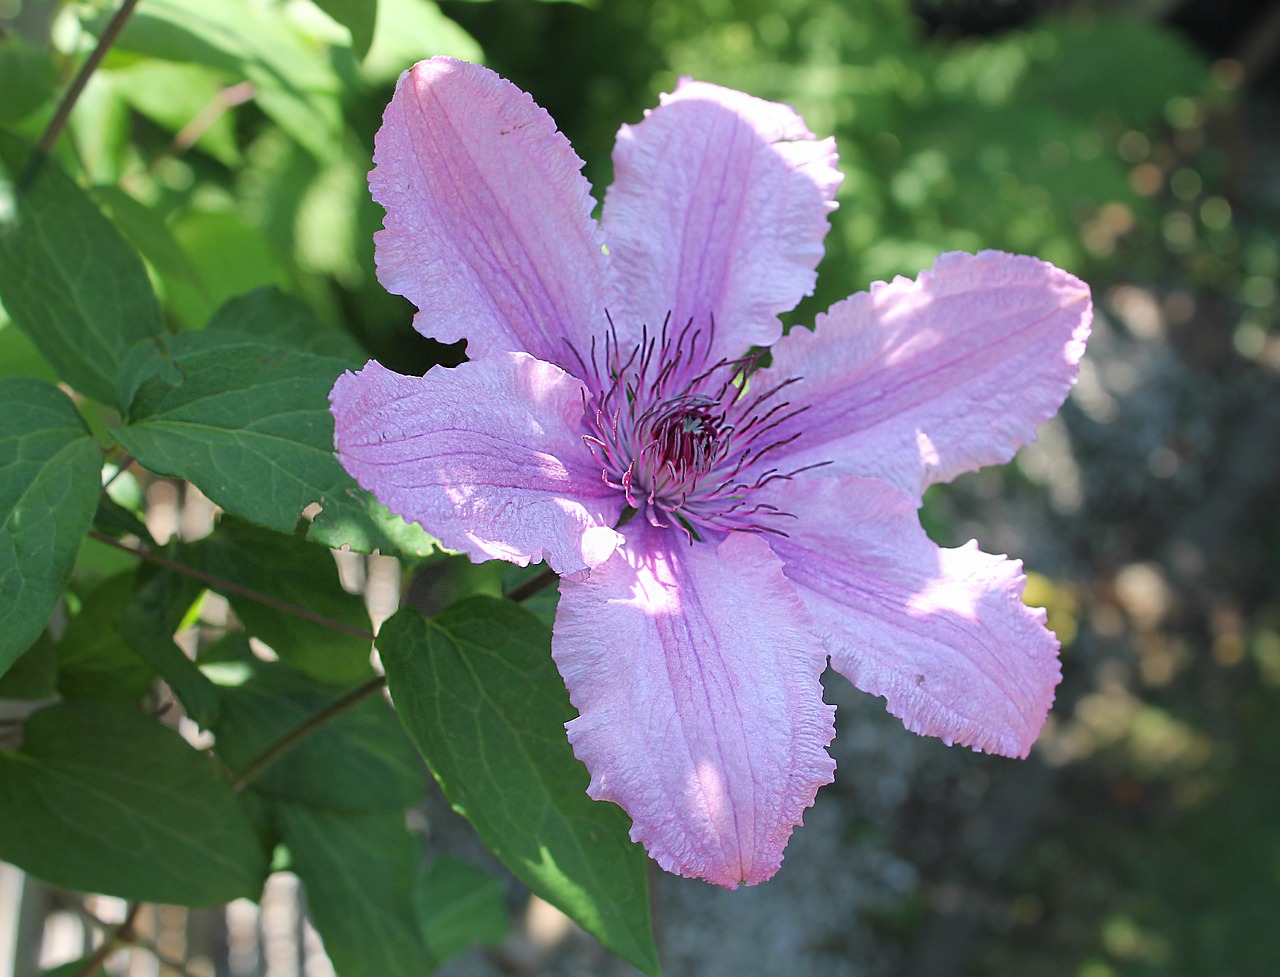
[942, 634]
[696, 677]
[718, 208]
[488, 457]
[489, 229]
[916, 382]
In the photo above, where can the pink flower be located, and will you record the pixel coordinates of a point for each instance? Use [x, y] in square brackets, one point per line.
[720, 530]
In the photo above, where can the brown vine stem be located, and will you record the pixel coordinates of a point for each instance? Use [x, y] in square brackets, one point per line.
[60, 117]
[353, 698]
[532, 586]
[111, 942]
[300, 732]
[230, 586]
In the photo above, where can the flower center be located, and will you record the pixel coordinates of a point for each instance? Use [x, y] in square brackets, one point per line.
[682, 436]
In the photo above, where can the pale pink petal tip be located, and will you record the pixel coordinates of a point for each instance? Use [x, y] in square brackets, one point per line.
[718, 213]
[701, 710]
[489, 228]
[916, 382]
[941, 634]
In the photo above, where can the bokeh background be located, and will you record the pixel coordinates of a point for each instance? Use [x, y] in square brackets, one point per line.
[1134, 142]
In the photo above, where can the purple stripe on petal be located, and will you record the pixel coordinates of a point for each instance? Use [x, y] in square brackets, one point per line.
[719, 208]
[942, 634]
[488, 458]
[696, 676]
[488, 229]
[918, 381]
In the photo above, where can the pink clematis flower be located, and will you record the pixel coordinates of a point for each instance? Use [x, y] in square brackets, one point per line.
[720, 530]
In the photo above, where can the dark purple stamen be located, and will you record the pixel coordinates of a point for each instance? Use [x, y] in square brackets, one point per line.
[676, 434]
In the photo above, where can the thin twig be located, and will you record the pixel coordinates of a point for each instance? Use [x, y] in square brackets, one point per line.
[291, 739]
[111, 942]
[230, 586]
[533, 585]
[60, 117]
[122, 462]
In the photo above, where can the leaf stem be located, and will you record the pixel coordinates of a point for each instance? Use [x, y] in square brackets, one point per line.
[122, 934]
[523, 591]
[230, 586]
[60, 117]
[300, 732]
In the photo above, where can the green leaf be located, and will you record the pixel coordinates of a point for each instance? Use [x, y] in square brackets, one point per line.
[294, 83]
[245, 419]
[359, 761]
[27, 77]
[115, 520]
[18, 355]
[174, 95]
[289, 569]
[355, 520]
[476, 688]
[357, 16]
[94, 660]
[146, 230]
[72, 969]
[148, 622]
[49, 485]
[230, 256]
[67, 277]
[358, 873]
[459, 905]
[408, 31]
[35, 674]
[104, 799]
[268, 312]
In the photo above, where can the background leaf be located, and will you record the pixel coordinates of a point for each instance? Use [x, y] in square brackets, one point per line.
[358, 872]
[104, 799]
[459, 905]
[477, 690]
[148, 622]
[67, 277]
[49, 485]
[294, 83]
[27, 77]
[357, 16]
[35, 674]
[245, 419]
[94, 659]
[290, 569]
[357, 762]
[268, 312]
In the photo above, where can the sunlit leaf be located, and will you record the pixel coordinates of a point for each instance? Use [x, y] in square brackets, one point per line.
[408, 31]
[477, 690]
[49, 485]
[294, 83]
[176, 96]
[357, 16]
